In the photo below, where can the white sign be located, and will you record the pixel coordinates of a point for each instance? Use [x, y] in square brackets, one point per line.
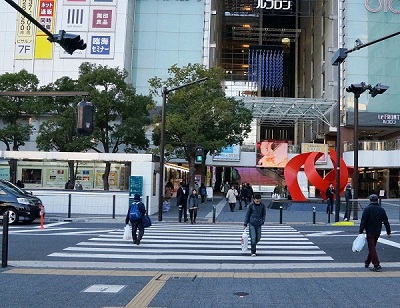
[274, 4]
[75, 18]
[230, 153]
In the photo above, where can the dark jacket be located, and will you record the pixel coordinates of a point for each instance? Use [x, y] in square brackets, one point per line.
[182, 195]
[255, 214]
[141, 208]
[347, 194]
[330, 193]
[193, 200]
[247, 192]
[372, 218]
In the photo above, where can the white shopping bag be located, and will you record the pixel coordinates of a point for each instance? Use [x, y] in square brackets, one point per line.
[127, 233]
[359, 243]
[244, 241]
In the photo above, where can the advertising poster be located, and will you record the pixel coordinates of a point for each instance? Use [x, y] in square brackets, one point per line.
[316, 147]
[46, 17]
[25, 36]
[230, 153]
[273, 154]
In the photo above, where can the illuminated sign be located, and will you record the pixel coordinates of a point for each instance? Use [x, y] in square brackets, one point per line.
[385, 4]
[274, 4]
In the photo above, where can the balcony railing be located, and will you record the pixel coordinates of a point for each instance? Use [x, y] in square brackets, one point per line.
[386, 145]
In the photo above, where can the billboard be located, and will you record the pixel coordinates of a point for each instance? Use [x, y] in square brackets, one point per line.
[273, 154]
[316, 147]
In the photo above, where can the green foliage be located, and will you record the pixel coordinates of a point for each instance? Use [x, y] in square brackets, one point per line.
[114, 99]
[200, 114]
[15, 112]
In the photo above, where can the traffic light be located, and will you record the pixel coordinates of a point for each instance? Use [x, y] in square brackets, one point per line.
[199, 155]
[378, 89]
[84, 122]
[69, 42]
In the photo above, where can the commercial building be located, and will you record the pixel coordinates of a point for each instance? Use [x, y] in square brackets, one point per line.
[277, 56]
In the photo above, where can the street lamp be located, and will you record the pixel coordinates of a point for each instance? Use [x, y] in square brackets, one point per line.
[357, 90]
[165, 92]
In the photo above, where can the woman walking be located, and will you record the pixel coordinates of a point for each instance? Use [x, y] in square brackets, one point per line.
[193, 205]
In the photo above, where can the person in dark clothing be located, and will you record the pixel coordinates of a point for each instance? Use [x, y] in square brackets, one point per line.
[255, 218]
[240, 196]
[136, 224]
[203, 193]
[20, 184]
[371, 221]
[181, 201]
[193, 205]
[330, 193]
[348, 195]
[248, 194]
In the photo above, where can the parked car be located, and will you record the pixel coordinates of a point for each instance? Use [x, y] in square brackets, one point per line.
[20, 204]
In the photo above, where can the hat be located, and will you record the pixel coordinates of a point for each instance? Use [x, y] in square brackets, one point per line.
[136, 197]
[257, 196]
[373, 197]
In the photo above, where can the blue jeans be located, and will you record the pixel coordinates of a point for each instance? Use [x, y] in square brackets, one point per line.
[255, 236]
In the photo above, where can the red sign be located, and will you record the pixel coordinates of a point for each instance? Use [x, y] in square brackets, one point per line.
[102, 19]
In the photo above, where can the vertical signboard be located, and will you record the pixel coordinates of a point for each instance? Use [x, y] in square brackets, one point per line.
[25, 36]
[46, 16]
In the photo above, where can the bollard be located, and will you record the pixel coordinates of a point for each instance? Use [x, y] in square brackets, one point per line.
[147, 205]
[4, 249]
[314, 214]
[329, 217]
[280, 214]
[41, 217]
[214, 213]
[69, 205]
[113, 209]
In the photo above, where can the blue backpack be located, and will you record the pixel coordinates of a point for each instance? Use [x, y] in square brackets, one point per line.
[134, 213]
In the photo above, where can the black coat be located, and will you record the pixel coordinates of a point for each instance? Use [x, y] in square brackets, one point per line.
[141, 208]
[372, 218]
[182, 195]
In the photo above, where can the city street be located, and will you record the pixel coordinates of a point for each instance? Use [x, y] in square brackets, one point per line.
[86, 263]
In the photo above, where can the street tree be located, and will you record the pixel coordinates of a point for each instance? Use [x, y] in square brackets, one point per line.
[58, 132]
[121, 116]
[200, 114]
[16, 112]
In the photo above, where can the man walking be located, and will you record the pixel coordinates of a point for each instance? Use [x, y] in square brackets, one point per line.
[181, 201]
[135, 213]
[371, 221]
[255, 218]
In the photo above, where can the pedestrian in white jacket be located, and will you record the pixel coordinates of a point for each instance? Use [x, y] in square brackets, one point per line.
[231, 197]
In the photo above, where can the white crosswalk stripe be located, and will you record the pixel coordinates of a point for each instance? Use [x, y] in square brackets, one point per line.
[185, 243]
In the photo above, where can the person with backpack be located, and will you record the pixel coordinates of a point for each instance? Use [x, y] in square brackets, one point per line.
[135, 213]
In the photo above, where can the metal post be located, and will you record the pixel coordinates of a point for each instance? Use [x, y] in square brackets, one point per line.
[314, 214]
[147, 204]
[355, 174]
[214, 213]
[69, 205]
[280, 214]
[4, 249]
[338, 149]
[113, 210]
[329, 217]
[162, 149]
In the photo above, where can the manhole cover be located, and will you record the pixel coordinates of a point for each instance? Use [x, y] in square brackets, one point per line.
[241, 294]
[104, 288]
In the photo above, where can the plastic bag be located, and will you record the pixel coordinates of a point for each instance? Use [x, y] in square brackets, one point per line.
[359, 243]
[127, 233]
[244, 241]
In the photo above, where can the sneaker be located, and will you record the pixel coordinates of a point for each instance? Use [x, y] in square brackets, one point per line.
[366, 265]
[138, 242]
[376, 268]
[253, 254]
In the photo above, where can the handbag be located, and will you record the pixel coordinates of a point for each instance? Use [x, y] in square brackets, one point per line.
[244, 242]
[127, 233]
[359, 243]
[146, 221]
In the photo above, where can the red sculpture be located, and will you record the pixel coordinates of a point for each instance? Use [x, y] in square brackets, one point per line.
[308, 160]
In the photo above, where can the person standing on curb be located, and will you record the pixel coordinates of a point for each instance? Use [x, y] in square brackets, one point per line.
[136, 223]
[330, 193]
[193, 205]
[248, 194]
[181, 201]
[348, 196]
[255, 218]
[371, 221]
[231, 197]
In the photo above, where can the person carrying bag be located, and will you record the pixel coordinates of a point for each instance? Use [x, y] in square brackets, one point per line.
[135, 214]
[193, 205]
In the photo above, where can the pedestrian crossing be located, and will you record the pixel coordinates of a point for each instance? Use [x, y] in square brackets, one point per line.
[186, 243]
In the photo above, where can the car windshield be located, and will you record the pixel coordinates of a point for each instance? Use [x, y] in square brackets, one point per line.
[13, 187]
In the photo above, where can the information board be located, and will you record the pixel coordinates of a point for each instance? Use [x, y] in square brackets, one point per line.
[135, 185]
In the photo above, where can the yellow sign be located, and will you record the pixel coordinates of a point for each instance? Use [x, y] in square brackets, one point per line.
[46, 16]
[316, 147]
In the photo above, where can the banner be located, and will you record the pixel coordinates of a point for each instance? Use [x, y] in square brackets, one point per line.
[46, 16]
[25, 35]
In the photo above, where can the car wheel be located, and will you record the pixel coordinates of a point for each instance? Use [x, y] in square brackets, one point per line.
[12, 216]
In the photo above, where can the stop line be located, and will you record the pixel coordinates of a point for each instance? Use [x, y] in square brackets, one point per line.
[187, 244]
